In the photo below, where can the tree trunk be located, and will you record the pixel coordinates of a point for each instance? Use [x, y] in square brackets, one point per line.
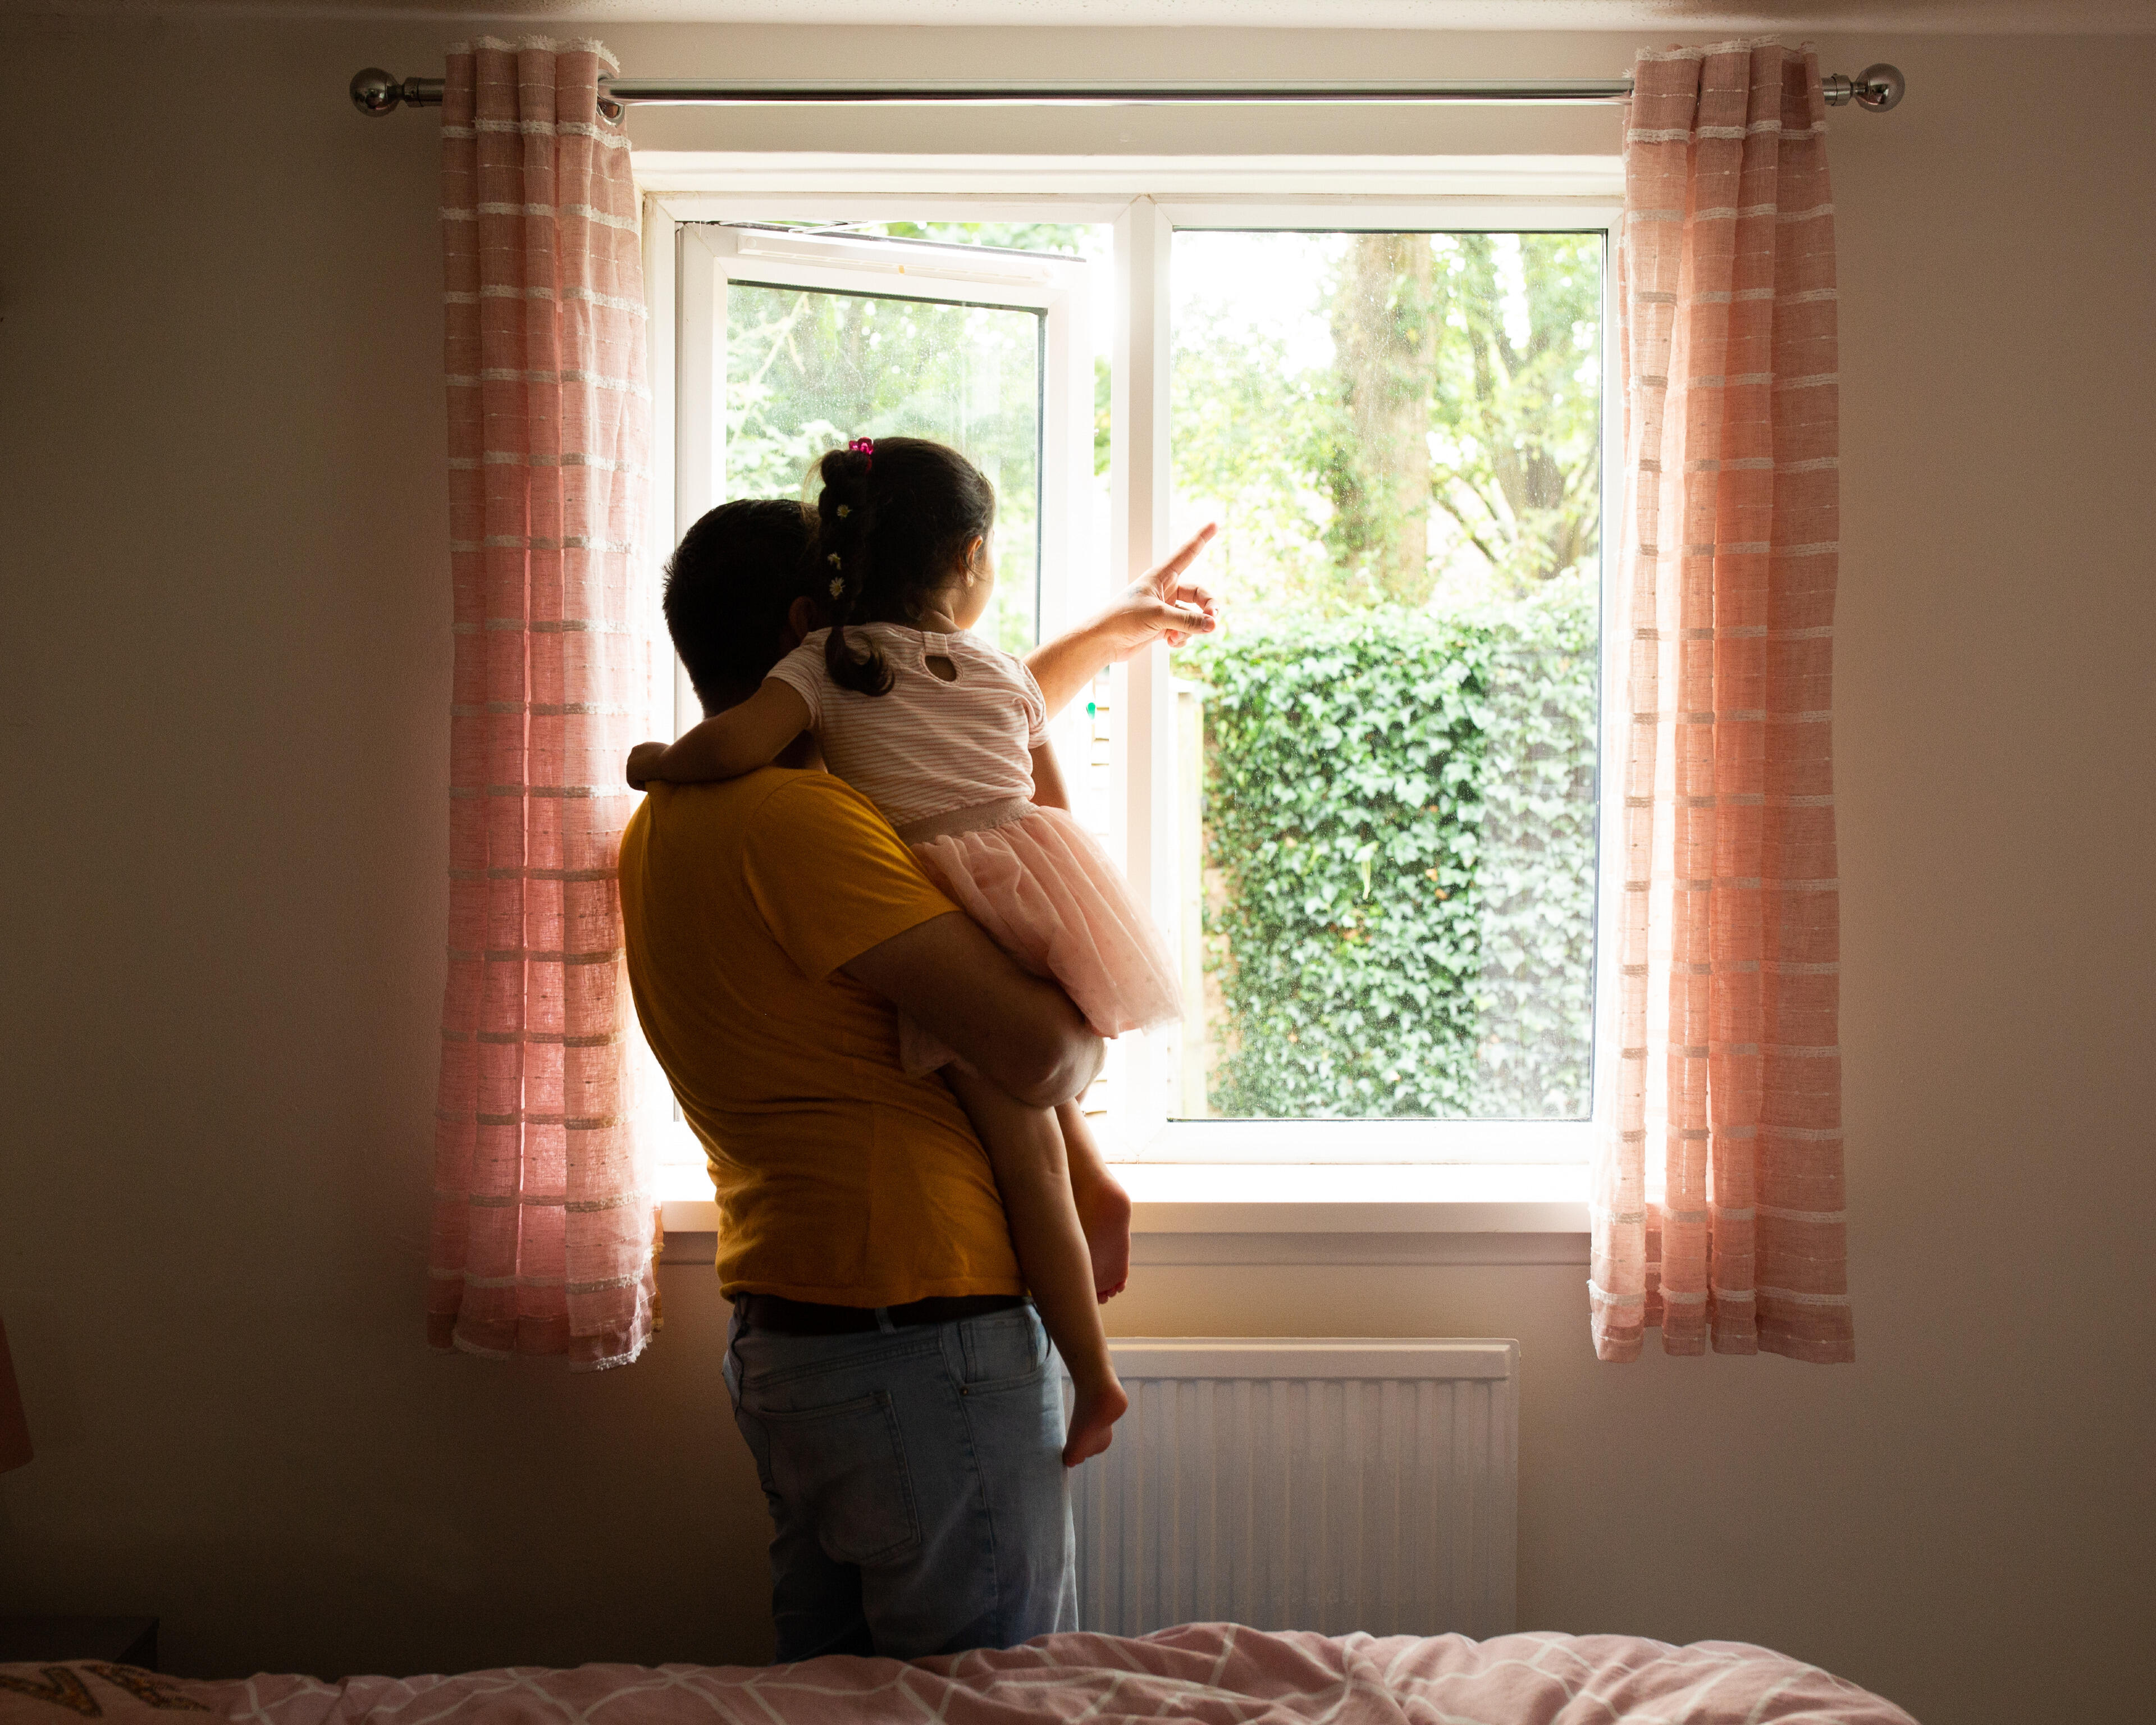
[1385, 323]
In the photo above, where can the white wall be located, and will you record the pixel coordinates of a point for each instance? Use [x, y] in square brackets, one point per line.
[222, 695]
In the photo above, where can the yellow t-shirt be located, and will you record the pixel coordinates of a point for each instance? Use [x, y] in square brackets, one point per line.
[839, 1178]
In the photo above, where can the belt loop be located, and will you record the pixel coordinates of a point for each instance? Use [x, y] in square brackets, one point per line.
[884, 1323]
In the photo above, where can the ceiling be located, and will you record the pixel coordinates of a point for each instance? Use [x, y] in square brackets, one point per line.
[1690, 18]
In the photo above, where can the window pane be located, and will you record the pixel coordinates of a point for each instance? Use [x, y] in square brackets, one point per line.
[1394, 796]
[807, 370]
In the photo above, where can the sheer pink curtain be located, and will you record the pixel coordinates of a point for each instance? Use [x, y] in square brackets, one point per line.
[544, 1211]
[1729, 1064]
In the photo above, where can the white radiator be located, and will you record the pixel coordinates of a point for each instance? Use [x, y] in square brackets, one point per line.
[1306, 1484]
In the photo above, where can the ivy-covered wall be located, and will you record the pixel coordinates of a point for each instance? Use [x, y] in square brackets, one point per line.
[1400, 836]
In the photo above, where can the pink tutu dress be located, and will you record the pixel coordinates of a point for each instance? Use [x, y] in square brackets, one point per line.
[949, 764]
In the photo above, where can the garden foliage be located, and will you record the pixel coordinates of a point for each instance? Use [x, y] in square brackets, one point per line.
[1400, 832]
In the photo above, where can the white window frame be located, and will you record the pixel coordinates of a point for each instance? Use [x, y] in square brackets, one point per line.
[1342, 1180]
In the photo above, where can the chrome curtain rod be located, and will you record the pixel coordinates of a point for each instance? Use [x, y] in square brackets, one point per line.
[374, 92]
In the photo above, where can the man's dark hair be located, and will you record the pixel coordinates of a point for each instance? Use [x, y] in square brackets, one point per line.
[729, 586]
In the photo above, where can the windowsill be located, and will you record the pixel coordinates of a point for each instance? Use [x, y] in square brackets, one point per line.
[1343, 1198]
[1283, 1198]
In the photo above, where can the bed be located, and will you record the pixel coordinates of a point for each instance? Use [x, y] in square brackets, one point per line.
[1200, 1673]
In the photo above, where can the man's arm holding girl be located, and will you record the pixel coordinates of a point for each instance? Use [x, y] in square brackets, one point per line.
[1021, 1032]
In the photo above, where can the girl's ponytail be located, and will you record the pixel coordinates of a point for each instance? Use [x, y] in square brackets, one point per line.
[845, 515]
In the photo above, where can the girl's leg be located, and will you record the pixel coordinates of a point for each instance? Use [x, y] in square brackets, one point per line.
[1026, 1149]
[1104, 1207]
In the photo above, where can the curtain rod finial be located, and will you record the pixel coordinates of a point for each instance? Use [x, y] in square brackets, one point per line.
[1877, 87]
[374, 92]
[1880, 87]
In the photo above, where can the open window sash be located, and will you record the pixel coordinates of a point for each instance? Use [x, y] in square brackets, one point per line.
[717, 257]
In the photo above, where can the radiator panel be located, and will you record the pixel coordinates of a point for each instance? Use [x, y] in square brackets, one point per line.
[1321, 1485]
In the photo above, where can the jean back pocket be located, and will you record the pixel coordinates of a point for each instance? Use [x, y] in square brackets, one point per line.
[845, 1466]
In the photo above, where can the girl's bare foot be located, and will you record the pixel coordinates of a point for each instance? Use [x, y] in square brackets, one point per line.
[1094, 1413]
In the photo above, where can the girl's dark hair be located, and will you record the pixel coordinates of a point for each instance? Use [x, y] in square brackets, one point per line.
[891, 523]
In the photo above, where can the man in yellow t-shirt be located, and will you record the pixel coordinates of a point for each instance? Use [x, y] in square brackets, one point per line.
[894, 1387]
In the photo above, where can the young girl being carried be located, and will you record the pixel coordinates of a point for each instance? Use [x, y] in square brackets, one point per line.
[948, 736]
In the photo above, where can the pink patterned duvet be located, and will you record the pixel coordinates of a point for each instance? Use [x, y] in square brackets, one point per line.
[1201, 1672]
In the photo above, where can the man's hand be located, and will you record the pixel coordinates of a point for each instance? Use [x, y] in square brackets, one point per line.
[1163, 605]
[644, 763]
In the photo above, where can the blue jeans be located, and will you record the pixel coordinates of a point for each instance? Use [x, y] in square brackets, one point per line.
[918, 1498]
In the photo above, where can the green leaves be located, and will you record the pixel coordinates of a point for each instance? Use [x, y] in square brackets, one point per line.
[1447, 439]
[807, 370]
[1516, 422]
[1400, 829]
[1341, 776]
[1536, 876]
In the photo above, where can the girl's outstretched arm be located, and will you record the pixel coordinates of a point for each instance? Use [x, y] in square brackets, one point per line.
[1164, 602]
[728, 744]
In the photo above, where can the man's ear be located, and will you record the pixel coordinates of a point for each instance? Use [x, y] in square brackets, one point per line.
[803, 618]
